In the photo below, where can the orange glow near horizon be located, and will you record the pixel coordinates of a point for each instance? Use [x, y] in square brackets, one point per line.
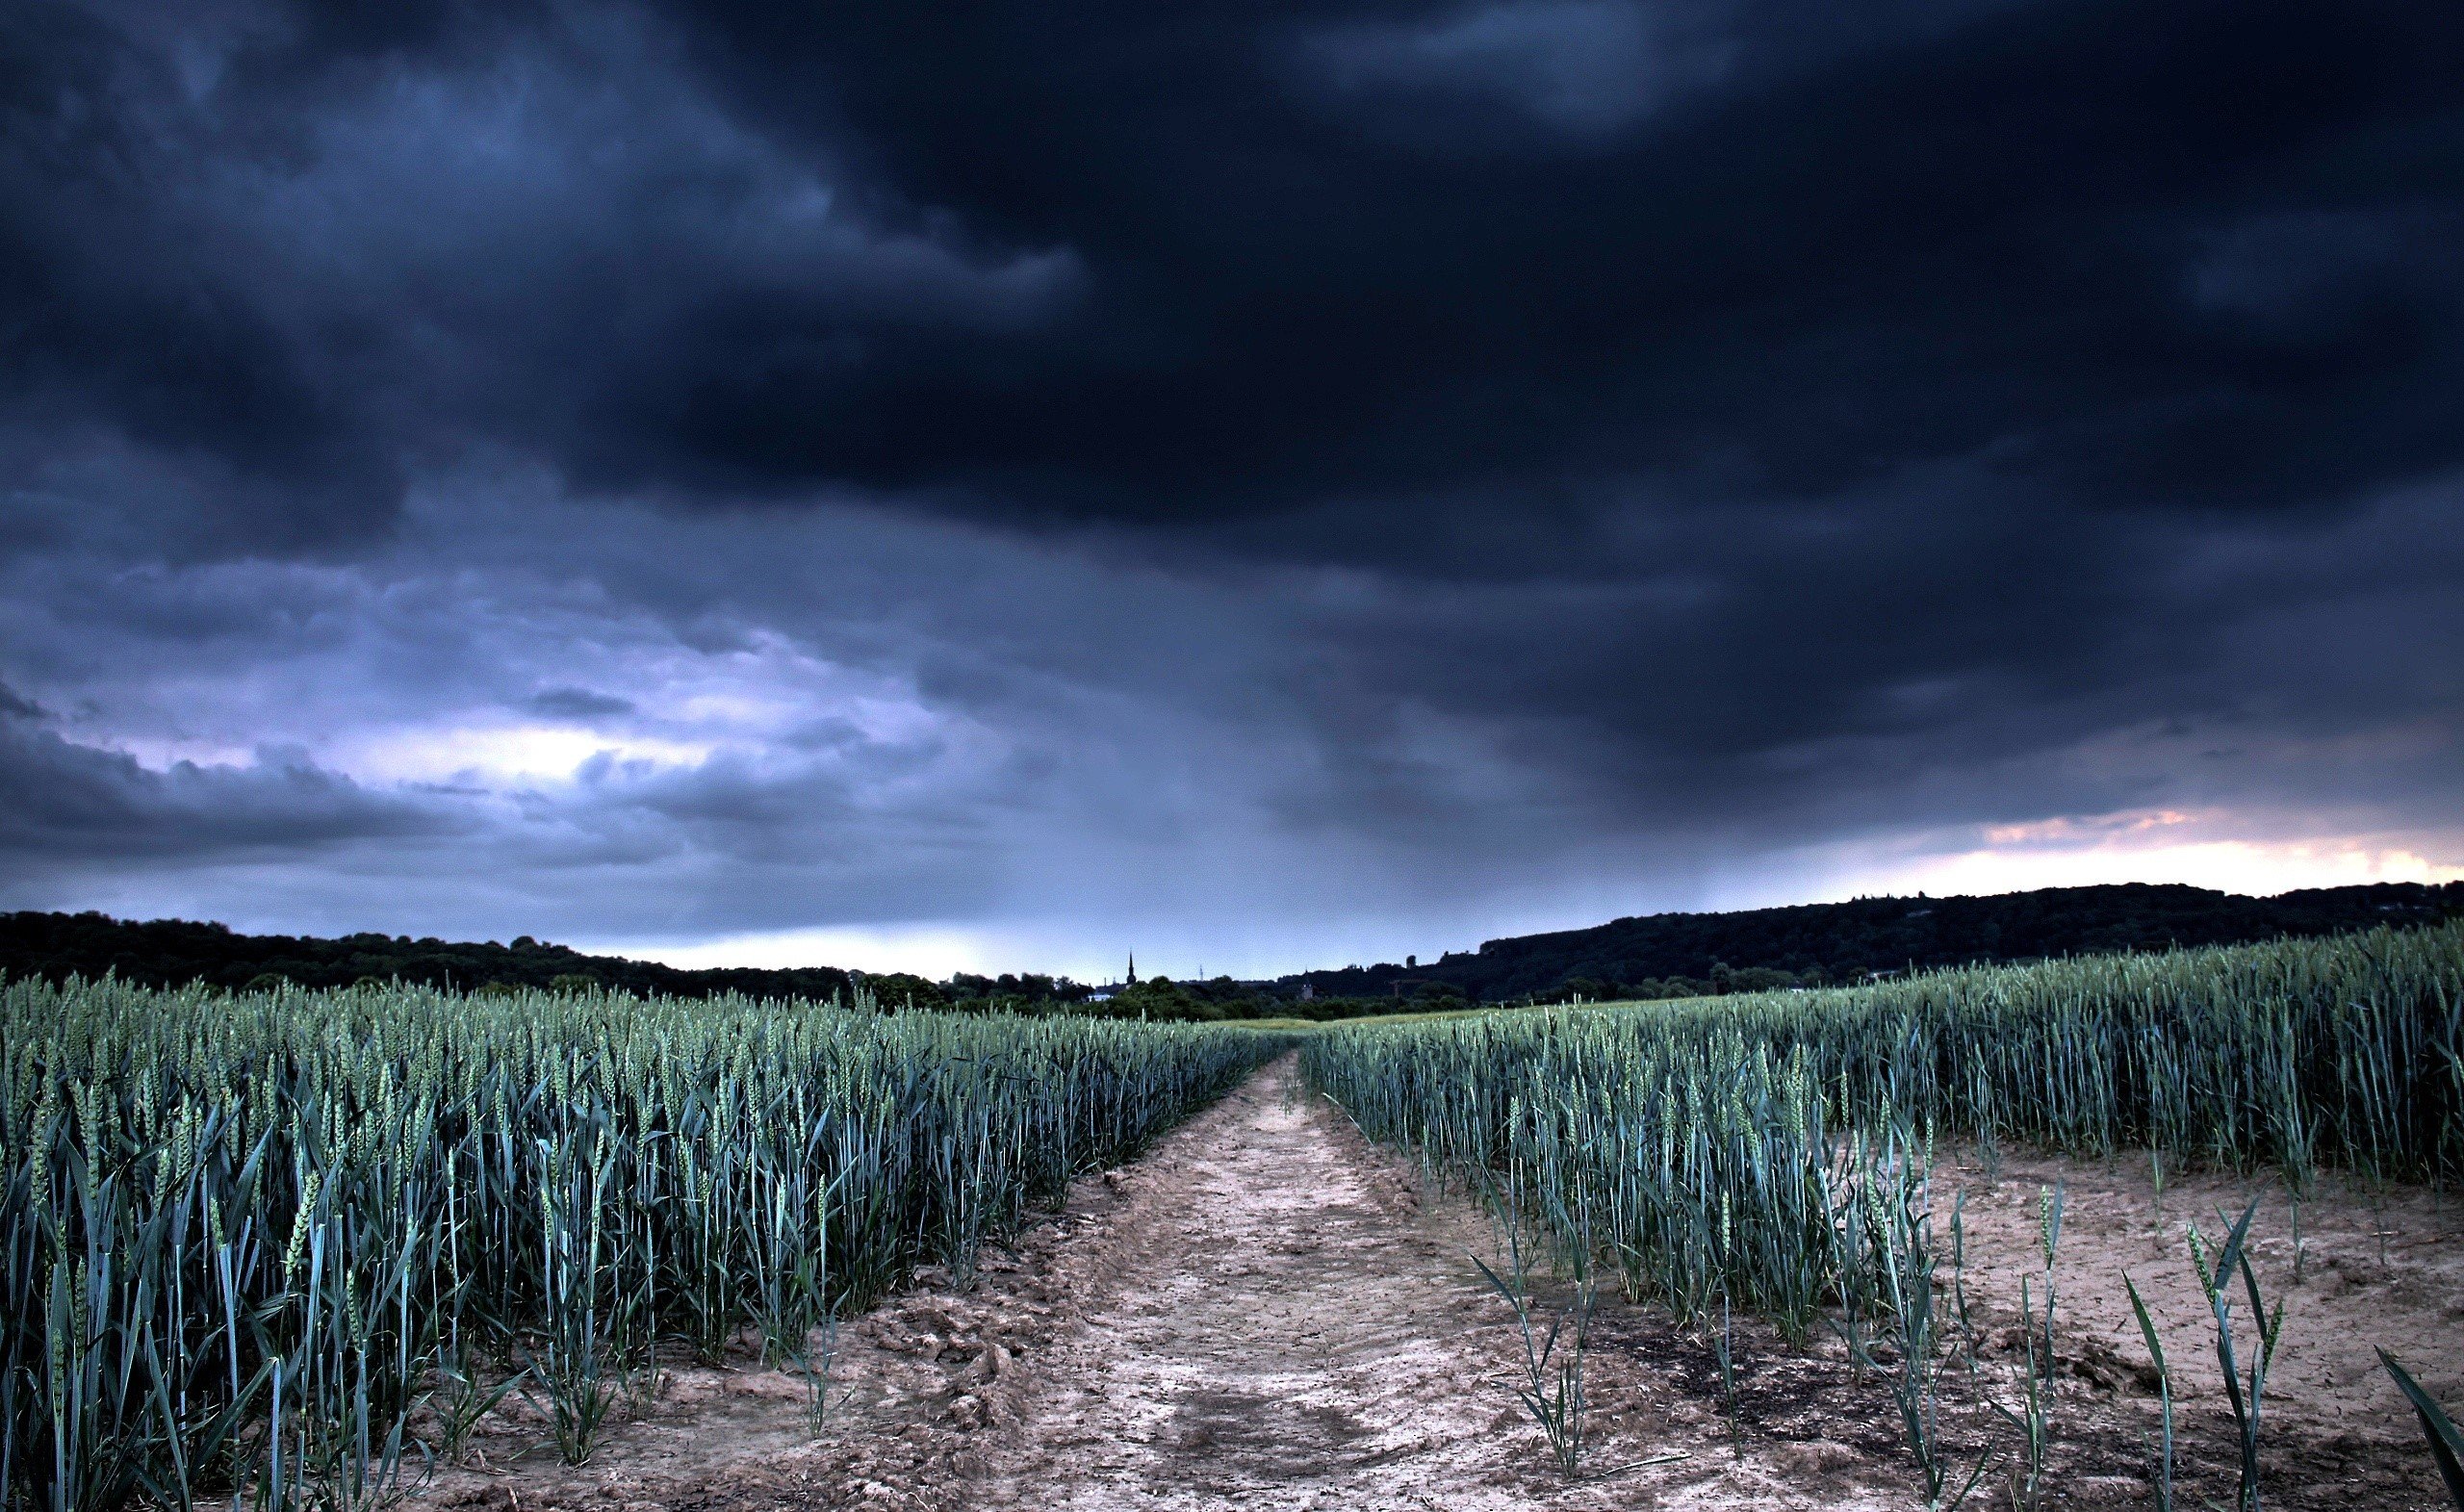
[2151, 846]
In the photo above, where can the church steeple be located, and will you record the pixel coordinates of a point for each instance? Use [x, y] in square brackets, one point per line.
[1133, 969]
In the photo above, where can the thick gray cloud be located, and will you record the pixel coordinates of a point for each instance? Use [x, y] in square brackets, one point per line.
[579, 705]
[71, 806]
[1276, 480]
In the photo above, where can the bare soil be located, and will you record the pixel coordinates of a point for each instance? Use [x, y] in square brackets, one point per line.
[1269, 1312]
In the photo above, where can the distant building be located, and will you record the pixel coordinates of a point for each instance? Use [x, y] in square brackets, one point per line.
[1112, 989]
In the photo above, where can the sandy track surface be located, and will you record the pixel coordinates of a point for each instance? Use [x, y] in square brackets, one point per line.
[1267, 1311]
[1286, 1331]
[1290, 1328]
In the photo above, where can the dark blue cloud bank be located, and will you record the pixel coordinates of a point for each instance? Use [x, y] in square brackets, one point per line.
[1271, 484]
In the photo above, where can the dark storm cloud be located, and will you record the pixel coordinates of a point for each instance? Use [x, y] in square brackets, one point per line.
[1940, 239]
[580, 703]
[732, 451]
[124, 313]
[295, 261]
[1751, 676]
[1178, 263]
[73, 801]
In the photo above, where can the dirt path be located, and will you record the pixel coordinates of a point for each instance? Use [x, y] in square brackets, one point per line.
[1286, 1335]
[1266, 1312]
[1284, 1322]
[1292, 1331]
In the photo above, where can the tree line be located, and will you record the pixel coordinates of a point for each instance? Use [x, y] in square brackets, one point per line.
[1835, 945]
[1658, 956]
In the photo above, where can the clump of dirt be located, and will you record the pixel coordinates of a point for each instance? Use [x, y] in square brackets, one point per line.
[1267, 1311]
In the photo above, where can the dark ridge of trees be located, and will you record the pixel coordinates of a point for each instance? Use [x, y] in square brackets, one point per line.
[166, 952]
[1827, 944]
[175, 952]
[1662, 955]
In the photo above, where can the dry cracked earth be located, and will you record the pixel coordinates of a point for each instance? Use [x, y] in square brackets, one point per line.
[1266, 1311]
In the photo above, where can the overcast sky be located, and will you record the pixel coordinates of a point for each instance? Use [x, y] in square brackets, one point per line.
[1266, 485]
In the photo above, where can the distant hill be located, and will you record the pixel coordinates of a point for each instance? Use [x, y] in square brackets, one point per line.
[1655, 956]
[1818, 943]
[175, 952]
